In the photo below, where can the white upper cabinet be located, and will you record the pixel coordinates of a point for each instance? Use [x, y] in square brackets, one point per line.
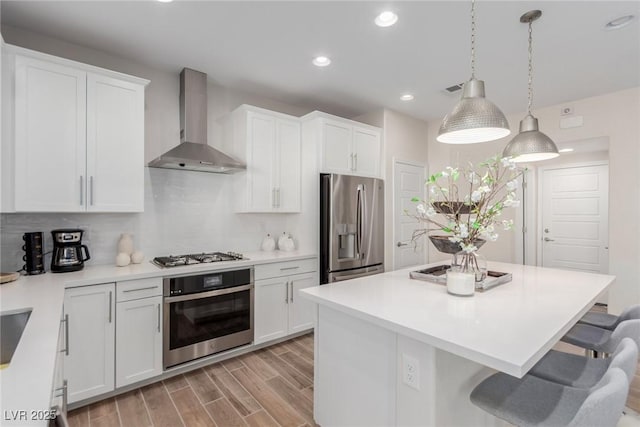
[337, 154]
[115, 145]
[366, 151]
[50, 137]
[269, 143]
[73, 140]
[344, 146]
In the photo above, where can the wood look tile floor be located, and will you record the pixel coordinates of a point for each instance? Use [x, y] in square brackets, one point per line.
[265, 388]
[268, 387]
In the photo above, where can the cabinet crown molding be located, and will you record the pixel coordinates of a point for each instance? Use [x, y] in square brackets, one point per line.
[17, 50]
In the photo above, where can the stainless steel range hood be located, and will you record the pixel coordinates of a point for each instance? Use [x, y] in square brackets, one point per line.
[193, 152]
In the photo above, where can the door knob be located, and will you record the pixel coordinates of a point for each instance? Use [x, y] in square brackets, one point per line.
[399, 244]
[546, 239]
[546, 230]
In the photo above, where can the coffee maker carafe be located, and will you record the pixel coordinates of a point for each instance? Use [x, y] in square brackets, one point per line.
[69, 254]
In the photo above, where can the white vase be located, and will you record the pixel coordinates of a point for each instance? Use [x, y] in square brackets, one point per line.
[125, 244]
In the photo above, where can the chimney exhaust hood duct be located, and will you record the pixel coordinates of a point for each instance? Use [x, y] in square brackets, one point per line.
[193, 153]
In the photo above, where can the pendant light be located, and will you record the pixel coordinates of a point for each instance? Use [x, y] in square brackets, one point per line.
[474, 119]
[530, 145]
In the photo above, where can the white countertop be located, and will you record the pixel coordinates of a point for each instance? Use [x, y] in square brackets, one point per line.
[27, 382]
[507, 328]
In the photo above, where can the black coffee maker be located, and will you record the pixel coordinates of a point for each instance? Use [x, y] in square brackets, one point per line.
[69, 254]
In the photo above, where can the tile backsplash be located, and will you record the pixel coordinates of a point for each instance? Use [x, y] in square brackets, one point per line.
[184, 212]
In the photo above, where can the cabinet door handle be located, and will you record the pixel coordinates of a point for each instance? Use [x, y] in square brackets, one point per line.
[291, 284]
[64, 394]
[81, 190]
[286, 289]
[289, 268]
[278, 195]
[110, 301]
[66, 334]
[91, 190]
[351, 165]
[139, 289]
[273, 197]
[355, 162]
[158, 317]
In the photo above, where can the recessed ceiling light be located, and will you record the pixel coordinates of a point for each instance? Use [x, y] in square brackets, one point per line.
[165, 1]
[616, 24]
[565, 150]
[386, 19]
[407, 97]
[321, 61]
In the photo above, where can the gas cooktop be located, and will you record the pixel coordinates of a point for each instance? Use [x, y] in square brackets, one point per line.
[202, 258]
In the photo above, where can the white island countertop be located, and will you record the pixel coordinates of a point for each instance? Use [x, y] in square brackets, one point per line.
[507, 328]
[26, 384]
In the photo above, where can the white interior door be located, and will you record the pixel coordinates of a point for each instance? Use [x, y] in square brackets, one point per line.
[408, 182]
[575, 232]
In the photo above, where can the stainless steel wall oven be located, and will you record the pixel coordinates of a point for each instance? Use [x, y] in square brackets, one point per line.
[206, 313]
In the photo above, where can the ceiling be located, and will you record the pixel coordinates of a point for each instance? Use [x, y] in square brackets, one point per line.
[266, 47]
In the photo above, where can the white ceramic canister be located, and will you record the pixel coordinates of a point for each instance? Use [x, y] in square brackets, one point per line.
[281, 239]
[288, 245]
[268, 243]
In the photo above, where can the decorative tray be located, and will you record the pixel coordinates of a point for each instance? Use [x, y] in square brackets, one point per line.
[438, 274]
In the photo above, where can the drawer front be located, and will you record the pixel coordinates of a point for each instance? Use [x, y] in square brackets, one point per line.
[136, 289]
[286, 268]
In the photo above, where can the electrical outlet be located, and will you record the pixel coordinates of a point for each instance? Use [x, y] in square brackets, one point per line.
[410, 371]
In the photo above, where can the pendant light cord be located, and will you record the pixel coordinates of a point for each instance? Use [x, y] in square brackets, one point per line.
[473, 39]
[530, 68]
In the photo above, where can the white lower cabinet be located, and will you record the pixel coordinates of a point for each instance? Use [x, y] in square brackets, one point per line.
[138, 340]
[59, 388]
[279, 311]
[271, 314]
[301, 311]
[89, 356]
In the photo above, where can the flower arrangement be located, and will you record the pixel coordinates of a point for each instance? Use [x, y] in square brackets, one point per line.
[470, 201]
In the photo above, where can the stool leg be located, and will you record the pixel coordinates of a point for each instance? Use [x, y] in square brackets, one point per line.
[593, 354]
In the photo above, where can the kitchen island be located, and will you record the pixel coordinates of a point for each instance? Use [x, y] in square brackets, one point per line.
[390, 350]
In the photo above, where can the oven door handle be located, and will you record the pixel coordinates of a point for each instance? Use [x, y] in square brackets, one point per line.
[208, 294]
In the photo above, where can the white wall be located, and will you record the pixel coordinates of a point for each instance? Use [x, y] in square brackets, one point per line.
[615, 116]
[184, 211]
[405, 138]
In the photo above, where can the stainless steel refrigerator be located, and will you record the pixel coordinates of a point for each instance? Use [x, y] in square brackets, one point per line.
[351, 227]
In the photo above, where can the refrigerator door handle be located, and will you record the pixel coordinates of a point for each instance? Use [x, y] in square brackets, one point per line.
[359, 219]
